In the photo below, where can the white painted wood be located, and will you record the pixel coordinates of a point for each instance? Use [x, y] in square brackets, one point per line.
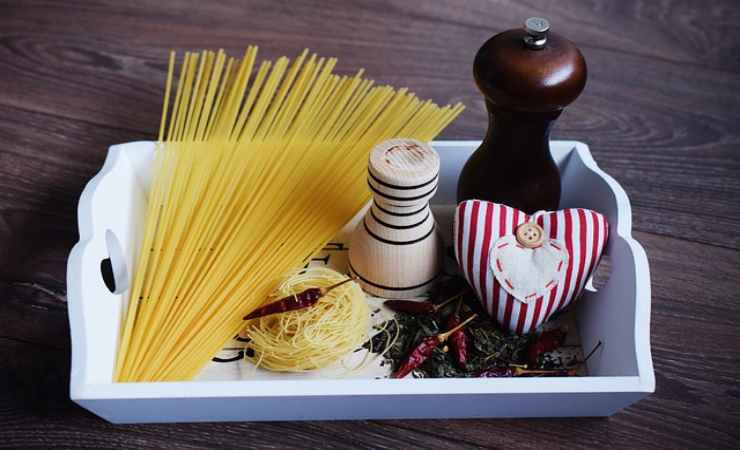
[619, 315]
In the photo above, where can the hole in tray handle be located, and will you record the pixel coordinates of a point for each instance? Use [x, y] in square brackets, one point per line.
[113, 269]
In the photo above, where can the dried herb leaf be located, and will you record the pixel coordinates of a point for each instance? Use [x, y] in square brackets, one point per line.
[488, 345]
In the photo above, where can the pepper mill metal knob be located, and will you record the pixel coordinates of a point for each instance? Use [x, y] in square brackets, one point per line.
[396, 251]
[536, 28]
[527, 77]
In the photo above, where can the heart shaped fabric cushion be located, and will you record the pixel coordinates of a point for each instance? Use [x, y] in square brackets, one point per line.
[522, 287]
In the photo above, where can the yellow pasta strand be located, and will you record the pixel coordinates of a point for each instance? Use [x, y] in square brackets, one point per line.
[253, 174]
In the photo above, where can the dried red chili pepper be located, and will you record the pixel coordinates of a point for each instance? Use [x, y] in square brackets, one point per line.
[547, 341]
[416, 307]
[424, 349]
[417, 356]
[458, 339]
[304, 299]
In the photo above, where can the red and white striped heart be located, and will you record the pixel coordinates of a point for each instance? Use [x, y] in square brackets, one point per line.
[526, 268]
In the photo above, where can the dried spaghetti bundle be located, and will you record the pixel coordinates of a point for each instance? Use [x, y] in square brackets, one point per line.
[257, 167]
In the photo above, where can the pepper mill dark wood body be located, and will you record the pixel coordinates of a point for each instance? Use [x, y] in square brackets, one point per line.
[527, 77]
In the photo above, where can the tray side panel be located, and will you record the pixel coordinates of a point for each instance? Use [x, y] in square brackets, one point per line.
[619, 313]
[360, 407]
[111, 205]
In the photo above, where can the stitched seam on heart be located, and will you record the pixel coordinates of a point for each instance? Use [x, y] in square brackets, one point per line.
[501, 275]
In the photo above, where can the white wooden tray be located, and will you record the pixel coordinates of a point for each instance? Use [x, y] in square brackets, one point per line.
[110, 215]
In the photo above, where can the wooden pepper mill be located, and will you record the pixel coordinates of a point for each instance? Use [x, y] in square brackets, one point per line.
[396, 251]
[527, 77]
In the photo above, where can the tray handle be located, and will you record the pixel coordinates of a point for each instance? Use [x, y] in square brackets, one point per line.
[95, 311]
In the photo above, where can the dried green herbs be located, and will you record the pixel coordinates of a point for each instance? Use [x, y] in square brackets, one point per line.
[488, 347]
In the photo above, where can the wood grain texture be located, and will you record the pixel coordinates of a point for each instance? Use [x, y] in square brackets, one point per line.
[399, 229]
[660, 111]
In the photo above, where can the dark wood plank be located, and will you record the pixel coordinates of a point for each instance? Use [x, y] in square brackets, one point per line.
[45, 162]
[660, 113]
[110, 73]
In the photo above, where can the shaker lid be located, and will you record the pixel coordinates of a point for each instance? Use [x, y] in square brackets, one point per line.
[403, 173]
[404, 163]
[530, 69]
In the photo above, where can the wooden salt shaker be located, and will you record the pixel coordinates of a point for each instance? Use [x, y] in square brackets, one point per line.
[396, 251]
[527, 77]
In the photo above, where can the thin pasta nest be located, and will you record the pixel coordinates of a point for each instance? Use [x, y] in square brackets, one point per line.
[315, 337]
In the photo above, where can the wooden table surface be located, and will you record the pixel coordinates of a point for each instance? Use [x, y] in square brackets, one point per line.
[661, 113]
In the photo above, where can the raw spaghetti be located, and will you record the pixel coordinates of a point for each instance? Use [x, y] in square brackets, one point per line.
[257, 167]
[311, 338]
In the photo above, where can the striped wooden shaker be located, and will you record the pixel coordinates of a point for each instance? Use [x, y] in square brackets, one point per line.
[396, 251]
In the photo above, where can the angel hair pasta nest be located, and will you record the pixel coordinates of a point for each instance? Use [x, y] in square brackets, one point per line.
[311, 338]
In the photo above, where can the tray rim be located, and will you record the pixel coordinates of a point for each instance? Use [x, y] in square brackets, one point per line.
[643, 382]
